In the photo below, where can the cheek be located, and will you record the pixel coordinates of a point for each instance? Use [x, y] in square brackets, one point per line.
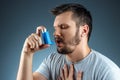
[68, 35]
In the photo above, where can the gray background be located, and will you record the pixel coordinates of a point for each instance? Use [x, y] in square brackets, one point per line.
[19, 18]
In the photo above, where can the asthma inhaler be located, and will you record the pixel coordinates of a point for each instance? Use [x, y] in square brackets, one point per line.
[46, 37]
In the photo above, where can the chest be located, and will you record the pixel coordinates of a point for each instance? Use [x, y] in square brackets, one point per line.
[88, 72]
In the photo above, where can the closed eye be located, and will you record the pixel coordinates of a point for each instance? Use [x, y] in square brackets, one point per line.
[63, 26]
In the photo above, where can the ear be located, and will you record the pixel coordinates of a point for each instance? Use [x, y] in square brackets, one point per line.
[84, 30]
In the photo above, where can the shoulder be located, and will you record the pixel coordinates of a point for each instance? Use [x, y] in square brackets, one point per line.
[105, 67]
[101, 59]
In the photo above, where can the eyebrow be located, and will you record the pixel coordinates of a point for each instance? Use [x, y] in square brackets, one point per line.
[61, 24]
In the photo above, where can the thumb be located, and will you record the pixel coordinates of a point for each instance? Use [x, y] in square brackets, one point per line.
[39, 29]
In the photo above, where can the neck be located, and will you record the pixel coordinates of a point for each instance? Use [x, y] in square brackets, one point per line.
[79, 53]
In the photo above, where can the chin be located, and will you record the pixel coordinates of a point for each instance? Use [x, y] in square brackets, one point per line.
[64, 51]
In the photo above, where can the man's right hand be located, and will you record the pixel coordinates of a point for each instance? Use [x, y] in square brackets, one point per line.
[34, 42]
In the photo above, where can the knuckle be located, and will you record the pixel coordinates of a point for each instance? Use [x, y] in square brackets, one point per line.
[33, 34]
[27, 39]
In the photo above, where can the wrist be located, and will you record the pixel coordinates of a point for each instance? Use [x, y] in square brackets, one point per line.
[29, 54]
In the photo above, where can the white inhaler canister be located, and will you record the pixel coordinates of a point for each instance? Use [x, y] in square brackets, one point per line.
[46, 37]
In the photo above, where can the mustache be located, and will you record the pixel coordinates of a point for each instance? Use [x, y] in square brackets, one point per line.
[59, 39]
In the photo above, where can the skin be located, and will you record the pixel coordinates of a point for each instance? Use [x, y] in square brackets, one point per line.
[33, 43]
[69, 74]
[82, 49]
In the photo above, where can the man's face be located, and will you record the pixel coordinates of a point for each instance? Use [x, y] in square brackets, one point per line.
[66, 33]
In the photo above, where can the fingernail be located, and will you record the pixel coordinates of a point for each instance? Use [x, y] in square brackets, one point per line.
[80, 73]
[64, 66]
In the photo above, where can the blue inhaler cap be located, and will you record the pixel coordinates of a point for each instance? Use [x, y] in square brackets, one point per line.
[46, 37]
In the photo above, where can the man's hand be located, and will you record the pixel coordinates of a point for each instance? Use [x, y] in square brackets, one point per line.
[34, 43]
[68, 74]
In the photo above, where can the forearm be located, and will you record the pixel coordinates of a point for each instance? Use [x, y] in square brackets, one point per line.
[32, 44]
[25, 67]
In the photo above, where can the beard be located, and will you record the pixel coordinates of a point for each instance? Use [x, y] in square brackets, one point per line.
[70, 45]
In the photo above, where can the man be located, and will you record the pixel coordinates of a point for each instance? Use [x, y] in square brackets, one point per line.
[75, 60]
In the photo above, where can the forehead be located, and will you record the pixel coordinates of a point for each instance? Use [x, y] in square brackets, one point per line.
[64, 18]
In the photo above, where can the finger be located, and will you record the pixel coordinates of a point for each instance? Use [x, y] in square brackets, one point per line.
[32, 40]
[36, 40]
[39, 29]
[37, 44]
[71, 71]
[65, 71]
[43, 46]
[31, 43]
[79, 75]
[62, 74]
[59, 78]
[35, 36]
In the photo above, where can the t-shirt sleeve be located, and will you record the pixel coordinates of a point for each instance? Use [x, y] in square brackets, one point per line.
[114, 74]
[44, 68]
[109, 72]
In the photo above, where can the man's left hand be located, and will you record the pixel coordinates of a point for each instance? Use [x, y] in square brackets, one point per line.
[68, 74]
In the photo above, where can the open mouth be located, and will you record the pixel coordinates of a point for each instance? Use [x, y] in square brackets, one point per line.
[59, 42]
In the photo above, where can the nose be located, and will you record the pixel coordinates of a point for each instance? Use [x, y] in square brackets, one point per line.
[57, 33]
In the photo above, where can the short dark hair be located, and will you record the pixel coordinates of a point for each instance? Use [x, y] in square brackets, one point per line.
[80, 14]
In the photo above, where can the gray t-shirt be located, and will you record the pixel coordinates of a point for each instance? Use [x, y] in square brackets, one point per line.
[94, 67]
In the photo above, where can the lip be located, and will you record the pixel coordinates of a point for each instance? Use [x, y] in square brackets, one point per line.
[59, 44]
